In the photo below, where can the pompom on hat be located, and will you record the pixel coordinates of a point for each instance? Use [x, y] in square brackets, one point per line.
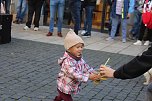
[72, 39]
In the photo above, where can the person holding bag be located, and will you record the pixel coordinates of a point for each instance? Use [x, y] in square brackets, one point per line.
[146, 24]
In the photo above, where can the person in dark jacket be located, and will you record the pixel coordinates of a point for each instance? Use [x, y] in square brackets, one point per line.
[136, 67]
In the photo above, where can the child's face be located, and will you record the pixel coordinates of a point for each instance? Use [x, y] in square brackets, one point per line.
[77, 49]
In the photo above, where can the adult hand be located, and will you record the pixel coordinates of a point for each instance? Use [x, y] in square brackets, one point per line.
[106, 71]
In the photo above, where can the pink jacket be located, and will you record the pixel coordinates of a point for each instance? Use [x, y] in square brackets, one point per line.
[72, 74]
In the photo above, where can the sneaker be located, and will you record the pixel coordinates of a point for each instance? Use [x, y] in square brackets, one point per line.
[146, 43]
[109, 39]
[83, 32]
[36, 28]
[87, 35]
[138, 42]
[26, 28]
[124, 40]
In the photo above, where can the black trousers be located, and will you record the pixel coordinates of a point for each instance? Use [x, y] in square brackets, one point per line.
[34, 7]
[148, 37]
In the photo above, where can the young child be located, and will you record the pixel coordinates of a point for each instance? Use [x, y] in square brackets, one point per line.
[74, 69]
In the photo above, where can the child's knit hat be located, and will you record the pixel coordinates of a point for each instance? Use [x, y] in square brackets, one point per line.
[72, 39]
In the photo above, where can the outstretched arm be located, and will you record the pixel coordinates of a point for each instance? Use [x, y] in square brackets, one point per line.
[136, 67]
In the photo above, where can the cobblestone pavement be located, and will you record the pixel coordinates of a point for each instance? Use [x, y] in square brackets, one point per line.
[28, 72]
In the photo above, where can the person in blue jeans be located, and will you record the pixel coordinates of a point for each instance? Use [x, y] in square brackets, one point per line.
[54, 6]
[75, 7]
[89, 8]
[121, 10]
[134, 33]
[21, 10]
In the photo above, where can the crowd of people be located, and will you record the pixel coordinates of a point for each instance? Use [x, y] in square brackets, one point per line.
[74, 69]
[120, 11]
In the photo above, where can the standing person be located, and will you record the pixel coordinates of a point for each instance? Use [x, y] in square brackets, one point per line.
[89, 8]
[7, 4]
[34, 8]
[54, 6]
[74, 69]
[110, 2]
[75, 7]
[136, 67]
[134, 33]
[21, 11]
[148, 37]
[121, 10]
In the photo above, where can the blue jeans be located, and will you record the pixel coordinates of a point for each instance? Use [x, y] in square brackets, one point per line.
[88, 20]
[137, 23]
[21, 9]
[115, 22]
[75, 7]
[56, 5]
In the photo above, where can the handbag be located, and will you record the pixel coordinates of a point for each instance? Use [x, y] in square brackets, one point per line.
[147, 14]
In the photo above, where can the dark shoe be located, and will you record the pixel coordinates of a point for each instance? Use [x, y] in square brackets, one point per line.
[49, 34]
[87, 35]
[16, 21]
[60, 34]
[20, 21]
[130, 35]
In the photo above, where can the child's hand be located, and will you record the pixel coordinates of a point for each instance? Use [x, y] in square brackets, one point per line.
[94, 77]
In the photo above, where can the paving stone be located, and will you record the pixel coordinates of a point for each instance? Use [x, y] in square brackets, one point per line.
[28, 70]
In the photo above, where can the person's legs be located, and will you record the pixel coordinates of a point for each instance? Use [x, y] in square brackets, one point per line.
[149, 93]
[53, 5]
[142, 31]
[60, 15]
[88, 22]
[124, 29]
[30, 13]
[23, 10]
[75, 7]
[137, 22]
[18, 10]
[89, 19]
[114, 26]
[38, 6]
[141, 34]
[62, 96]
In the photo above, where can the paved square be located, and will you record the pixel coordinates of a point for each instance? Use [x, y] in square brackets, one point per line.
[28, 72]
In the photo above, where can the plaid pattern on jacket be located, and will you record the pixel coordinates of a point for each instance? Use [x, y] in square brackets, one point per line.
[72, 74]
